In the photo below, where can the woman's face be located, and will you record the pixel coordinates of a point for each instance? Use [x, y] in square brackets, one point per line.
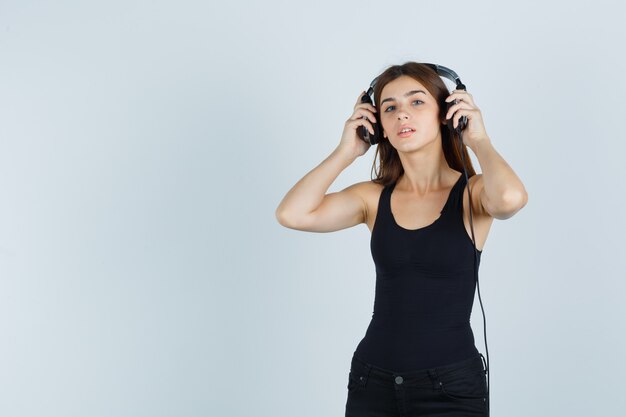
[405, 101]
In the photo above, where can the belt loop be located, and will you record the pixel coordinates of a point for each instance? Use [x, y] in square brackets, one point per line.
[484, 362]
[434, 377]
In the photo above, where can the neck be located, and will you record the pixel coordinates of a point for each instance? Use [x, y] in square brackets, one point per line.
[426, 170]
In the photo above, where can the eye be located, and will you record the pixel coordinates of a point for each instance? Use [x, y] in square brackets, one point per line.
[394, 106]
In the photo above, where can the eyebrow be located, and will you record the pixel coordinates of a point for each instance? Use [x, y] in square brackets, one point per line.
[410, 93]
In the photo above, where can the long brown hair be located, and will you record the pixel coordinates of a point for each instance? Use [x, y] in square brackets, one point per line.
[390, 166]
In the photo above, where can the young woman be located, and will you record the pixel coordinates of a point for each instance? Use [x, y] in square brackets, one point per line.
[418, 356]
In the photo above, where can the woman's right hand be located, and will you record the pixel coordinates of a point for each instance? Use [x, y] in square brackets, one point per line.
[364, 115]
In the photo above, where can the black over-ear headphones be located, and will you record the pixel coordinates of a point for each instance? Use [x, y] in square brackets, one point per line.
[375, 138]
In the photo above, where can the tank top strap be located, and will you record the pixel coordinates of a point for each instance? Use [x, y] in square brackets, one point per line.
[456, 194]
[454, 201]
[385, 199]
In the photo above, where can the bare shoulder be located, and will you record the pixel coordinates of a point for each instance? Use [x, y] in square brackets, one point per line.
[369, 191]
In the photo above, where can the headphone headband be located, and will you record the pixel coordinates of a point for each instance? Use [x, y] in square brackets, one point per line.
[439, 69]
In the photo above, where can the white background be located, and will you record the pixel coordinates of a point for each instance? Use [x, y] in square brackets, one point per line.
[145, 145]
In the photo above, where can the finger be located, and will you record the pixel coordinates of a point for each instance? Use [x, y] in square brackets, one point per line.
[457, 91]
[455, 107]
[362, 112]
[362, 122]
[460, 95]
[458, 115]
[358, 100]
[368, 106]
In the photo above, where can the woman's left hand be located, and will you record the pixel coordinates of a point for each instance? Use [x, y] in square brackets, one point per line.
[474, 131]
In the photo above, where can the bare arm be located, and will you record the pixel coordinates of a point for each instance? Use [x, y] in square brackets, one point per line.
[307, 207]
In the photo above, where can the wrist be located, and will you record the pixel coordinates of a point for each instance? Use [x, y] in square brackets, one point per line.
[345, 156]
[478, 144]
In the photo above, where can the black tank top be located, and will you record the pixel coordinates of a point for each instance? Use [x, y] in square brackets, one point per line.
[425, 288]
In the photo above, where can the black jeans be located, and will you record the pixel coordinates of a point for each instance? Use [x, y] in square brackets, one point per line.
[458, 389]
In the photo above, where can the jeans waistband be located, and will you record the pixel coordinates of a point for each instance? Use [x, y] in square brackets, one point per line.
[475, 363]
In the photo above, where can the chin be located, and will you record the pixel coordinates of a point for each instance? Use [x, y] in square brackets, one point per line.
[412, 143]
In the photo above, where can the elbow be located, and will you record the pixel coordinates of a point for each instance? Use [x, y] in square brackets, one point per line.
[512, 203]
[516, 200]
[280, 217]
[283, 219]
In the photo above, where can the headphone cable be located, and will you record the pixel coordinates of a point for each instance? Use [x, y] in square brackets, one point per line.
[460, 135]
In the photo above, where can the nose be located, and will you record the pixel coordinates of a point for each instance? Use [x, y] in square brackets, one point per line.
[402, 114]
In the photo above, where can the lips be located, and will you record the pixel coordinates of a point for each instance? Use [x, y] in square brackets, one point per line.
[405, 127]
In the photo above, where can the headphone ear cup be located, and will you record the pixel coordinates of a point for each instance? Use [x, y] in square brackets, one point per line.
[451, 121]
[375, 138]
[378, 131]
[363, 132]
[462, 123]
[462, 120]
